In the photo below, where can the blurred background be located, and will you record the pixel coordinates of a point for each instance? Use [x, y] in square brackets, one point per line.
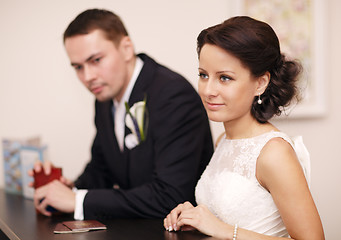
[40, 94]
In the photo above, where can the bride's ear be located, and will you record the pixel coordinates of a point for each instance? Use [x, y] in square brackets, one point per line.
[262, 83]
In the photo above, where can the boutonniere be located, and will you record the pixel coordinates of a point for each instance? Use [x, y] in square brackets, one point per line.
[137, 121]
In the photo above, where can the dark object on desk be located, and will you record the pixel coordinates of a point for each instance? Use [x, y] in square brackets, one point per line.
[79, 226]
[40, 179]
[49, 208]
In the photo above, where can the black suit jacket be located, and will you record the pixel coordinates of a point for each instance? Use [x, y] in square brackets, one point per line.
[162, 171]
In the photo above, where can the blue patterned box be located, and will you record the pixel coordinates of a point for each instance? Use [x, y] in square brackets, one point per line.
[19, 157]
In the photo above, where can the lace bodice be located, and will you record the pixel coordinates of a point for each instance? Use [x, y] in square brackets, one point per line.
[229, 187]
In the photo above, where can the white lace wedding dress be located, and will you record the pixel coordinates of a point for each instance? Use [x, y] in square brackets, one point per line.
[229, 188]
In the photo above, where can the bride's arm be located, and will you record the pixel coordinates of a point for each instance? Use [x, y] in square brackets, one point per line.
[279, 171]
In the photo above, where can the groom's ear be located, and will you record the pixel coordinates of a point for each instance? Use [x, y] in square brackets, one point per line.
[126, 48]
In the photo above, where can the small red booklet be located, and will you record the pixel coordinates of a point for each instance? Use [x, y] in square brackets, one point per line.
[40, 178]
[79, 226]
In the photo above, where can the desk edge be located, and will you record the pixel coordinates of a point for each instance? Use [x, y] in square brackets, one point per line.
[7, 231]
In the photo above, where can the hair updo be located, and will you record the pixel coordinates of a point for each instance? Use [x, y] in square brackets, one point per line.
[256, 45]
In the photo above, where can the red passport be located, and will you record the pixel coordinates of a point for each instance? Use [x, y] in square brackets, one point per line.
[40, 178]
[79, 226]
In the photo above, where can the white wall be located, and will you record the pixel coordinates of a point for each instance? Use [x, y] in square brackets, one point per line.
[40, 94]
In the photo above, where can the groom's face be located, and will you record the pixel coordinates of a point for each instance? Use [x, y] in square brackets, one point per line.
[100, 65]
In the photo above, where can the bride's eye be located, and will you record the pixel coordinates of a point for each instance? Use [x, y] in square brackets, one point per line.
[202, 75]
[225, 78]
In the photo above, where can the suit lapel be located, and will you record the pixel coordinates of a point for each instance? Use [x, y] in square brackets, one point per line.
[144, 79]
[141, 85]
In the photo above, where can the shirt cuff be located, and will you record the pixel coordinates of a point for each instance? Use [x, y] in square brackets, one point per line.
[80, 195]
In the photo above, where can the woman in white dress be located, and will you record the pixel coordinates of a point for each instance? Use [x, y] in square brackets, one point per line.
[256, 185]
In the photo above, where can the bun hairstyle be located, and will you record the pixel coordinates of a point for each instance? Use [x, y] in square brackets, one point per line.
[256, 45]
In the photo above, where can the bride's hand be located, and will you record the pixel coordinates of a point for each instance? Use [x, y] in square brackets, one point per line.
[170, 222]
[203, 220]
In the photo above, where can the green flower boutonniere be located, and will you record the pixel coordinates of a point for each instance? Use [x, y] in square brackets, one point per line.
[137, 121]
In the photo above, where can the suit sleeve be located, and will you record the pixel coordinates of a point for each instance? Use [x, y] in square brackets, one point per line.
[181, 143]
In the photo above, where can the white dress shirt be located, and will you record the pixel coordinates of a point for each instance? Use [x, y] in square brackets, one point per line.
[119, 113]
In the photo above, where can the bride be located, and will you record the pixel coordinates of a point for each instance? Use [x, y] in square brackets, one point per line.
[256, 184]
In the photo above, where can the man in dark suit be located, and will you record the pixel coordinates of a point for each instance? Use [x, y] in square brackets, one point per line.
[147, 161]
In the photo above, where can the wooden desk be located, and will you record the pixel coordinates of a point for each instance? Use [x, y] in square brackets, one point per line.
[19, 221]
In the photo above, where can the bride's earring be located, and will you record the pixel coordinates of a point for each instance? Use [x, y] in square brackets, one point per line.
[259, 100]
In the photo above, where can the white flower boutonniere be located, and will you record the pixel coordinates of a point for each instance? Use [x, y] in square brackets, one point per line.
[137, 121]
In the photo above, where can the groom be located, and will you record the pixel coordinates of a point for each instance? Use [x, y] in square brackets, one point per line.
[143, 170]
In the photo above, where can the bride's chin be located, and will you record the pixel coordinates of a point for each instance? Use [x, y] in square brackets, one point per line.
[214, 118]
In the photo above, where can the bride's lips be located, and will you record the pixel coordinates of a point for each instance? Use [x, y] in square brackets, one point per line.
[214, 106]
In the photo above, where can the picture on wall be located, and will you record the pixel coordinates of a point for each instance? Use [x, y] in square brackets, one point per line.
[299, 25]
